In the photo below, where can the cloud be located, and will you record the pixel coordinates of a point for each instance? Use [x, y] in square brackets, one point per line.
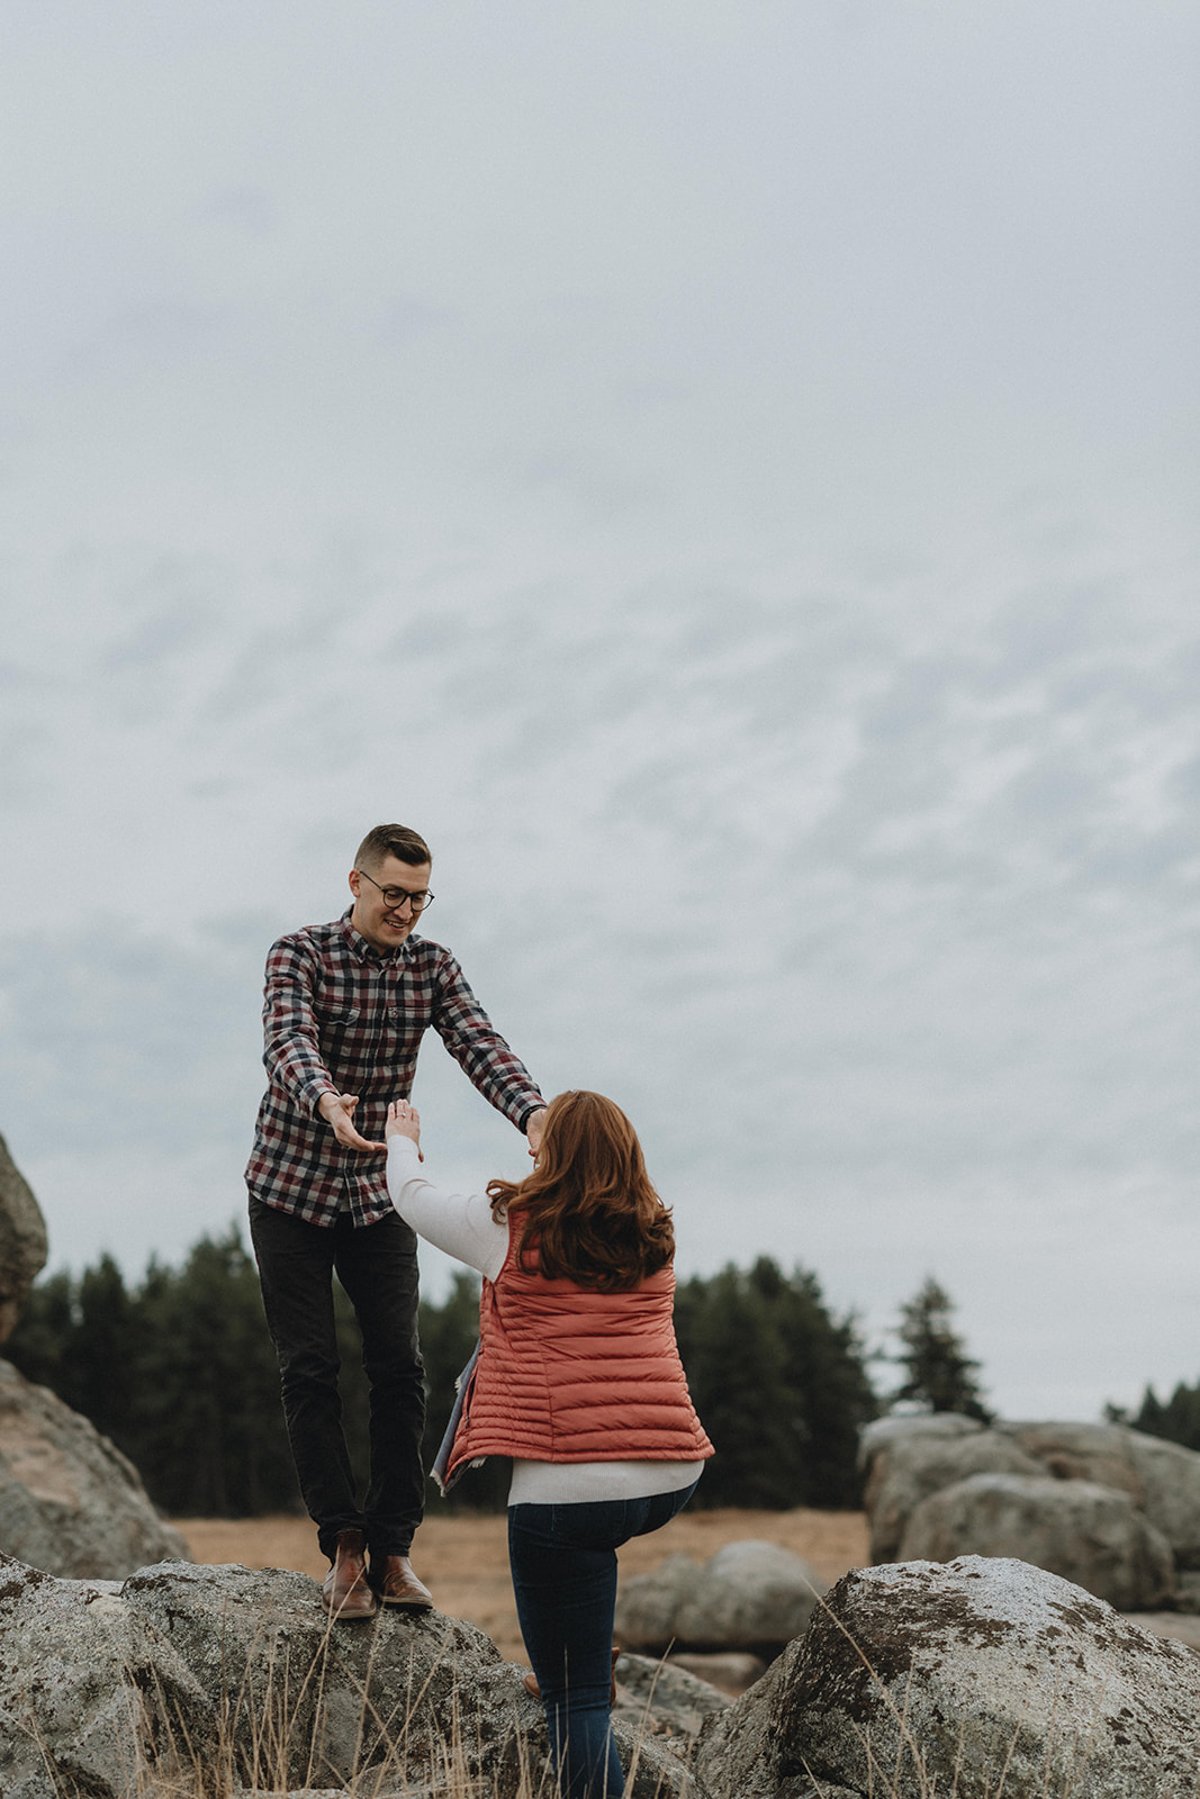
[147, 336]
[242, 209]
[119, 1039]
[406, 319]
[746, 533]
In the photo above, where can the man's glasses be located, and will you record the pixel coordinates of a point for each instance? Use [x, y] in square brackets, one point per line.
[394, 897]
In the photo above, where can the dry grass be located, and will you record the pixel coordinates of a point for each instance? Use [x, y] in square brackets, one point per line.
[464, 1559]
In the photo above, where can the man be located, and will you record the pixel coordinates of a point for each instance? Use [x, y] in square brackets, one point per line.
[345, 1007]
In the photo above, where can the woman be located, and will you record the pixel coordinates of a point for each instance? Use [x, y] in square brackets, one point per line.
[579, 1380]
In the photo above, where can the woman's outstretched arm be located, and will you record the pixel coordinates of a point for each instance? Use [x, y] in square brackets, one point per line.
[459, 1224]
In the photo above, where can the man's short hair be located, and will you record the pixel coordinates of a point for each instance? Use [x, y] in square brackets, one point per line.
[392, 840]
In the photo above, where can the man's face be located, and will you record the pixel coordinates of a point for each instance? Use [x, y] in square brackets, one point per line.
[385, 926]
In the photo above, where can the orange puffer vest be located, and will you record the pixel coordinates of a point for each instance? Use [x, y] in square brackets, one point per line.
[567, 1374]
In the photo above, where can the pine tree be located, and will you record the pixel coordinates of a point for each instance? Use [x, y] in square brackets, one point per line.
[824, 1363]
[1176, 1421]
[734, 1361]
[780, 1384]
[211, 1433]
[101, 1369]
[49, 1318]
[939, 1374]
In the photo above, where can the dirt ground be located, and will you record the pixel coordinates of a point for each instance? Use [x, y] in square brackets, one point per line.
[463, 1558]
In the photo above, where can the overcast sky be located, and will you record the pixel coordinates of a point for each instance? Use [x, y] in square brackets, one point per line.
[726, 475]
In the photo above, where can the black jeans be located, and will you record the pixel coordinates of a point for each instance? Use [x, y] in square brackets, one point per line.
[564, 1573]
[377, 1265]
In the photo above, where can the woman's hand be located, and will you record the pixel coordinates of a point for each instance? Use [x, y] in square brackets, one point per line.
[534, 1129]
[403, 1120]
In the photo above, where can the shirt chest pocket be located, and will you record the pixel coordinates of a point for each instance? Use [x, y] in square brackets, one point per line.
[341, 1030]
[337, 1016]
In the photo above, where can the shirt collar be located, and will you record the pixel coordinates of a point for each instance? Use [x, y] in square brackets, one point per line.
[366, 952]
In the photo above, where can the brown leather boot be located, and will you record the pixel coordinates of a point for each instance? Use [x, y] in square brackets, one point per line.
[345, 1592]
[393, 1579]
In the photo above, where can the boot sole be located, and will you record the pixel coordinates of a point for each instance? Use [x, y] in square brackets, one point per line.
[356, 1608]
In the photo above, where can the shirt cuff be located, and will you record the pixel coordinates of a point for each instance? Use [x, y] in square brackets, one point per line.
[316, 1093]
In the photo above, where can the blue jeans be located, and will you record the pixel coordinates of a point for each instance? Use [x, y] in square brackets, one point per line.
[564, 1574]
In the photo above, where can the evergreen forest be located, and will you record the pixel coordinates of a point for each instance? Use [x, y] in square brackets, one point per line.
[1176, 1418]
[178, 1370]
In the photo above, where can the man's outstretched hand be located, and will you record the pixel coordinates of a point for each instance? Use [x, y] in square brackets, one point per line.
[337, 1109]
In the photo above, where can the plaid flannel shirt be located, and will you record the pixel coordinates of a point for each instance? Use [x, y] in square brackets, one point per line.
[339, 1016]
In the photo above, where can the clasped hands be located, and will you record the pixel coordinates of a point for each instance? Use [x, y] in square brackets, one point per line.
[403, 1120]
[337, 1109]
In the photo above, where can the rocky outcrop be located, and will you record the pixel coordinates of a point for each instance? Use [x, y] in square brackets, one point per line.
[647, 1604]
[1170, 1477]
[729, 1670]
[70, 1503]
[90, 1694]
[967, 1678]
[22, 1241]
[1088, 1534]
[662, 1699]
[904, 1472]
[1162, 1478]
[881, 1435]
[1072, 1450]
[748, 1596]
[187, 1679]
[907, 1460]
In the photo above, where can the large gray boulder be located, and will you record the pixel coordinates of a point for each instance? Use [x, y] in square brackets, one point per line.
[313, 1705]
[1163, 1479]
[234, 1677]
[970, 1678]
[1071, 1450]
[918, 1463]
[1088, 1534]
[23, 1245]
[648, 1604]
[664, 1699]
[749, 1595]
[70, 1502]
[882, 1434]
[1170, 1480]
[907, 1459]
[731, 1671]
[92, 1696]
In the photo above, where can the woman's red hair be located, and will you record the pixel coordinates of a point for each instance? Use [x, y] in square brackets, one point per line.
[588, 1209]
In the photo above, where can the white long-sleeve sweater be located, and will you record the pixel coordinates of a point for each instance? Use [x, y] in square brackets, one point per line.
[463, 1227]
